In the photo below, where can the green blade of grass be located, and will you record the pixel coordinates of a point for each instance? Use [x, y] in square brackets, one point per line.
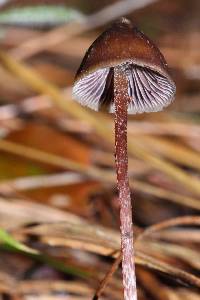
[9, 241]
[39, 15]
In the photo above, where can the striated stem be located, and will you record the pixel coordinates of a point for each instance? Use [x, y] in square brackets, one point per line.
[121, 99]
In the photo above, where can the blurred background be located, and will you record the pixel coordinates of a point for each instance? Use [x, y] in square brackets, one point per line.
[59, 214]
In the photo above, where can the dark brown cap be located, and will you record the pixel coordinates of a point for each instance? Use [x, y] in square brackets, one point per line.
[150, 86]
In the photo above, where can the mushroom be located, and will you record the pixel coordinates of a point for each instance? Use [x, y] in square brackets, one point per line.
[124, 72]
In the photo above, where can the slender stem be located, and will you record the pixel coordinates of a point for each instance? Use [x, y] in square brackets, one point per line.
[121, 99]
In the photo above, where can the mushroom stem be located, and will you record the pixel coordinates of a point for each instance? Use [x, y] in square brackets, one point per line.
[121, 99]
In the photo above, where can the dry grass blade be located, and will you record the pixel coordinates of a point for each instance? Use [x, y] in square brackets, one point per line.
[93, 172]
[36, 82]
[152, 285]
[165, 194]
[188, 295]
[40, 181]
[165, 268]
[64, 33]
[47, 287]
[95, 239]
[23, 212]
[136, 148]
[59, 210]
[49, 158]
[174, 151]
[81, 235]
[155, 128]
[180, 252]
[105, 242]
[179, 221]
[7, 283]
[178, 235]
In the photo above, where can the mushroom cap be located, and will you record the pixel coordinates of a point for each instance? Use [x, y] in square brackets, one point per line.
[150, 85]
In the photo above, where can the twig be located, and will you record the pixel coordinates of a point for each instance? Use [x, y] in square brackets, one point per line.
[107, 277]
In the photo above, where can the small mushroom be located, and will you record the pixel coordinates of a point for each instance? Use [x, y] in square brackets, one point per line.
[123, 71]
[150, 86]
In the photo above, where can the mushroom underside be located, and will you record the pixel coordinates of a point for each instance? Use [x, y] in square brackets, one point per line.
[149, 91]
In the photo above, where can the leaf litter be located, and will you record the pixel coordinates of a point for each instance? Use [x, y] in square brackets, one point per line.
[62, 238]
